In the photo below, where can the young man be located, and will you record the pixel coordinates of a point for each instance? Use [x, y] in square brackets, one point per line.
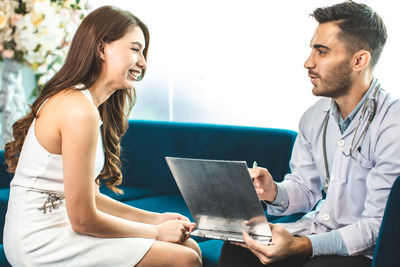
[347, 146]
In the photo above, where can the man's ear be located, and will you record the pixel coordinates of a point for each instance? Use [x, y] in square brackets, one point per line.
[100, 50]
[362, 59]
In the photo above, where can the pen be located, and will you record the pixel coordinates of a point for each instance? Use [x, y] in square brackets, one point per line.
[255, 165]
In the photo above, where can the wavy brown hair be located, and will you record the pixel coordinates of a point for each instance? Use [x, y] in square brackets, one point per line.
[83, 65]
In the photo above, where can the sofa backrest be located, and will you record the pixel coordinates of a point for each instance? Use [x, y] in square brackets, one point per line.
[147, 143]
[5, 177]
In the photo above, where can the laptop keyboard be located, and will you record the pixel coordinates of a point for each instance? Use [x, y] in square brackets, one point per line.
[228, 236]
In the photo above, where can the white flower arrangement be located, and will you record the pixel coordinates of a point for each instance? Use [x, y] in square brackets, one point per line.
[38, 33]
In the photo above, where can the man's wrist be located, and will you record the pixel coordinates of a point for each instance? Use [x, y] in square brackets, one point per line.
[274, 194]
[302, 247]
[281, 201]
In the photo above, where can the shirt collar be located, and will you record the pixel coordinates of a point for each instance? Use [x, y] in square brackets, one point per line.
[344, 123]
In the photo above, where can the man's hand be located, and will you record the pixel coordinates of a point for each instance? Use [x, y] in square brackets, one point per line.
[265, 186]
[284, 245]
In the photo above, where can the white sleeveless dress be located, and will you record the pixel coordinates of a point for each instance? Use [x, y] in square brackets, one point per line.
[37, 230]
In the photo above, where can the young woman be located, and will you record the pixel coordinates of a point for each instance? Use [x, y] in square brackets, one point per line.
[69, 143]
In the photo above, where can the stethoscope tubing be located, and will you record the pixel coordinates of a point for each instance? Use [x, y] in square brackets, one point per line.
[353, 146]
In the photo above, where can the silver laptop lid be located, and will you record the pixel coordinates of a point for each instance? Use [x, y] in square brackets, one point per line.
[220, 195]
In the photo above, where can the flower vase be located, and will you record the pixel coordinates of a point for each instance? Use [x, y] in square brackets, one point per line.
[13, 104]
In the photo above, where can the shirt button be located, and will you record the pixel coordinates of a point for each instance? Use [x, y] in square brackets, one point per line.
[282, 203]
[332, 177]
[340, 142]
[341, 149]
[326, 217]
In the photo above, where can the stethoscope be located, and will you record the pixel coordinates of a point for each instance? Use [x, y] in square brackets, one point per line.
[370, 106]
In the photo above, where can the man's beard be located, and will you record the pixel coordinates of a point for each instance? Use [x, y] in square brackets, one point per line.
[337, 83]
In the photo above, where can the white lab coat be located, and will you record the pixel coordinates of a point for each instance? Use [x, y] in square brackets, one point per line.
[359, 188]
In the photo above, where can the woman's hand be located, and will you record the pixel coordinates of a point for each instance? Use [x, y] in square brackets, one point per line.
[174, 231]
[167, 216]
[171, 216]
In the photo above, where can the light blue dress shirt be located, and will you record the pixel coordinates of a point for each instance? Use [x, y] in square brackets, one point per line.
[347, 222]
[344, 123]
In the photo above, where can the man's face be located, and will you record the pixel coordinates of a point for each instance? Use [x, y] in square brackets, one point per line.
[329, 64]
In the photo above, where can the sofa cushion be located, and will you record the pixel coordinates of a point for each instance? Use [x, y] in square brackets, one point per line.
[211, 250]
[130, 193]
[3, 260]
[285, 219]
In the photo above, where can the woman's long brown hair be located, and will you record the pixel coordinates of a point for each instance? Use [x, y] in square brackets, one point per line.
[83, 65]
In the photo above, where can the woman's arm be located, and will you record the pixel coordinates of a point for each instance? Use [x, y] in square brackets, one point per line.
[78, 125]
[119, 209]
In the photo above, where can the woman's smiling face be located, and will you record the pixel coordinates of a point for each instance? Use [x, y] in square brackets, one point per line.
[123, 59]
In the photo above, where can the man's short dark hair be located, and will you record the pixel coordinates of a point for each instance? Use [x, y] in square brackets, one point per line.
[361, 27]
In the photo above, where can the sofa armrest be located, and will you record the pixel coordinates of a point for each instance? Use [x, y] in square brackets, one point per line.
[388, 243]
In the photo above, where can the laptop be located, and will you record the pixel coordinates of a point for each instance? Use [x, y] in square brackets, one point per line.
[222, 199]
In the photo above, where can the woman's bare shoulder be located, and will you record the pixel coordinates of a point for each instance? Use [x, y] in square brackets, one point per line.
[72, 104]
[69, 113]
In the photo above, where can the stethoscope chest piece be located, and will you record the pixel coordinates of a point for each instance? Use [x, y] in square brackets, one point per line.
[325, 185]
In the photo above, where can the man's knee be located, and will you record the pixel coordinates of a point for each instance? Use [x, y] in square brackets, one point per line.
[333, 260]
[233, 255]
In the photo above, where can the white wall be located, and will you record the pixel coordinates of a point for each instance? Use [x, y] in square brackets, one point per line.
[237, 62]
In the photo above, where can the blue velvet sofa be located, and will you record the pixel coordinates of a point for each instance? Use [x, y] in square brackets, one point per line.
[148, 183]
[387, 247]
